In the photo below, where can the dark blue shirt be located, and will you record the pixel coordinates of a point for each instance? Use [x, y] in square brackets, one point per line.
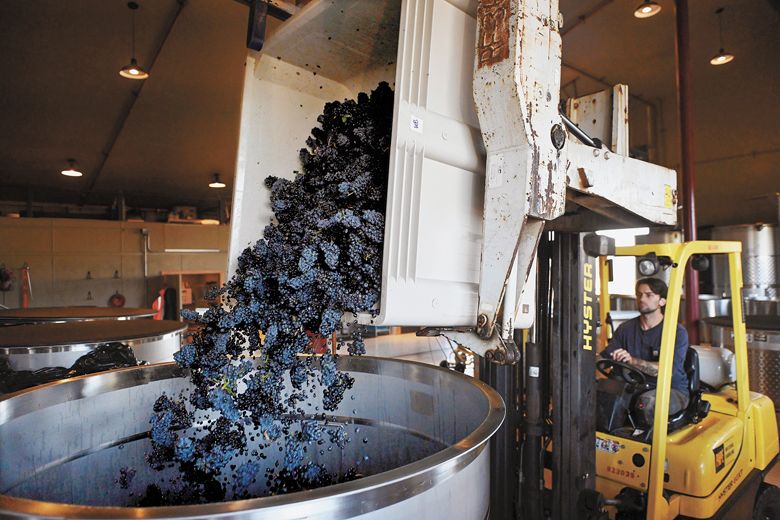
[646, 344]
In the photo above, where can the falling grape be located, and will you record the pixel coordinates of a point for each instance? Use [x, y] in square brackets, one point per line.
[320, 258]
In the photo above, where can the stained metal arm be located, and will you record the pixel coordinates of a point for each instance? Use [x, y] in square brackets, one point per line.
[496, 349]
[531, 166]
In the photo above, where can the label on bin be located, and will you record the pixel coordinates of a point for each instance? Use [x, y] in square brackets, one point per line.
[416, 124]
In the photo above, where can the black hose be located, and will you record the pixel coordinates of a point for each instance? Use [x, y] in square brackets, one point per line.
[533, 428]
[577, 132]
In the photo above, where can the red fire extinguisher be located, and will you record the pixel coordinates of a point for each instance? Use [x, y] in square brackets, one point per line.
[26, 286]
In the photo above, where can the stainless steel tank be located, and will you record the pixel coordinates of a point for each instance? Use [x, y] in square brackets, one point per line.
[32, 347]
[761, 277]
[710, 306]
[66, 314]
[423, 429]
[763, 342]
[762, 307]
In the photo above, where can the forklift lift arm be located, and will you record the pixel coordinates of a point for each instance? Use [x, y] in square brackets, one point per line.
[531, 163]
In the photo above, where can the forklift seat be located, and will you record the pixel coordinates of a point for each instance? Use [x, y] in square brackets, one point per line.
[697, 408]
[616, 397]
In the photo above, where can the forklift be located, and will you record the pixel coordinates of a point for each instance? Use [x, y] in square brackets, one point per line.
[490, 191]
[710, 459]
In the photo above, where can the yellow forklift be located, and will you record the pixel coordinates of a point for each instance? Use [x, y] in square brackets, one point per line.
[710, 459]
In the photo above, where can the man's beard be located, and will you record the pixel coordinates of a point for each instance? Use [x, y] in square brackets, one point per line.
[647, 310]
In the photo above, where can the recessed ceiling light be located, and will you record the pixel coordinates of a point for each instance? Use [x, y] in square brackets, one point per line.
[72, 170]
[216, 183]
[647, 9]
[133, 71]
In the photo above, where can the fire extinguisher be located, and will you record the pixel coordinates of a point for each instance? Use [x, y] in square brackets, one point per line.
[26, 286]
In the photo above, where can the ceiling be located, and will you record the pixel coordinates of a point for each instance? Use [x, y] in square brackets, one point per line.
[159, 141]
[735, 119]
[61, 97]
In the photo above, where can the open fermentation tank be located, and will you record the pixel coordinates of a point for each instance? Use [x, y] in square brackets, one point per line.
[41, 315]
[426, 432]
[425, 50]
[33, 347]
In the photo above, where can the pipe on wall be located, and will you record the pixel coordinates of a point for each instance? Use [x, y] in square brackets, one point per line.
[145, 234]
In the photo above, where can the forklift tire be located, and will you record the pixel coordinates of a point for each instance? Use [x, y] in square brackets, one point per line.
[767, 503]
[590, 505]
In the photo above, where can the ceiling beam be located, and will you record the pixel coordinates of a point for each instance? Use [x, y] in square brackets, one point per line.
[279, 9]
[128, 108]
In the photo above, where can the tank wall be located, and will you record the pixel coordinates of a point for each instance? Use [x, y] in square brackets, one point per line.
[67, 442]
[77, 421]
[760, 261]
[466, 496]
[158, 349]
[763, 357]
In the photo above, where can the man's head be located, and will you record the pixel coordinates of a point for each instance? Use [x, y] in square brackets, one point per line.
[650, 295]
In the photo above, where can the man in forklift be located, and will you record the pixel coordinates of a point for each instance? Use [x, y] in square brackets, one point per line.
[637, 342]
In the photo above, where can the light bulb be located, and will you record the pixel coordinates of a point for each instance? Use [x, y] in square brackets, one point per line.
[647, 9]
[133, 71]
[721, 58]
[71, 170]
[216, 183]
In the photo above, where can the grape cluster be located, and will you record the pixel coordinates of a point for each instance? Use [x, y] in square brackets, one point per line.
[321, 257]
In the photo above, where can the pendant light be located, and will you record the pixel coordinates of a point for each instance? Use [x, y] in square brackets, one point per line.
[133, 71]
[722, 57]
[216, 183]
[647, 9]
[72, 170]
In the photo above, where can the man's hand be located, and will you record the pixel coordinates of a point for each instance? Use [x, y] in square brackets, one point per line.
[622, 355]
[648, 367]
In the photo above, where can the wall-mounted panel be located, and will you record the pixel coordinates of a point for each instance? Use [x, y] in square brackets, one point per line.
[204, 262]
[163, 263]
[87, 238]
[100, 248]
[16, 236]
[132, 266]
[185, 236]
[132, 240]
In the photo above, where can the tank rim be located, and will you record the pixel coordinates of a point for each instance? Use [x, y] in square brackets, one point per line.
[339, 500]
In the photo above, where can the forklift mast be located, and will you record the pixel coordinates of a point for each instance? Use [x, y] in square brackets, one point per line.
[482, 167]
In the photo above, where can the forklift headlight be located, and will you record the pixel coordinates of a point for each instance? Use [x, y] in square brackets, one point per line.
[648, 266]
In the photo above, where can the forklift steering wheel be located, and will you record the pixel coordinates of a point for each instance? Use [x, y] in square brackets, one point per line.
[630, 374]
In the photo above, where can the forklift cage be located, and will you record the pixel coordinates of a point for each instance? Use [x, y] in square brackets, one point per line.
[679, 254]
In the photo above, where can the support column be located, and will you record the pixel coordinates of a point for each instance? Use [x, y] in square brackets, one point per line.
[685, 106]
